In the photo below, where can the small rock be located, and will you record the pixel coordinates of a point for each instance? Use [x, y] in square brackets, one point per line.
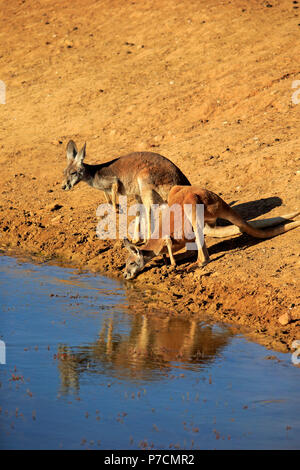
[54, 207]
[271, 358]
[69, 43]
[57, 218]
[285, 319]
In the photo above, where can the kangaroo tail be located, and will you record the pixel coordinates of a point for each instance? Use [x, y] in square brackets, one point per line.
[253, 227]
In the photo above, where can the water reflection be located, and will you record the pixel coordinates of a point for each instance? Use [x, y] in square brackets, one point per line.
[132, 368]
[144, 348]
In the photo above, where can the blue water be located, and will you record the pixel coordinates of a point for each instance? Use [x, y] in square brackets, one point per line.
[88, 367]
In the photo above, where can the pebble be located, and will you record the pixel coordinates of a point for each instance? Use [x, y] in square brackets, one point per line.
[53, 207]
[68, 43]
[287, 317]
[57, 218]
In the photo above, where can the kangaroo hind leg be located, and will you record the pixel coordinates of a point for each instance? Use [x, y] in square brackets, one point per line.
[147, 192]
[196, 218]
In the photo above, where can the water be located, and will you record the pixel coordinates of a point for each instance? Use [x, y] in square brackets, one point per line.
[85, 368]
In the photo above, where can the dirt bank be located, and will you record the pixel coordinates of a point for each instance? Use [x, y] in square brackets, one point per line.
[208, 85]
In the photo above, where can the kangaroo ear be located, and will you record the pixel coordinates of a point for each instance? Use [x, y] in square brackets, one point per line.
[81, 155]
[71, 150]
[130, 247]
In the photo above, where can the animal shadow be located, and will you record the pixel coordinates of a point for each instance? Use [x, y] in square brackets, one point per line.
[253, 209]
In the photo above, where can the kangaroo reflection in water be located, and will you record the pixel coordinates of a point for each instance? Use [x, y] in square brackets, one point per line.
[146, 350]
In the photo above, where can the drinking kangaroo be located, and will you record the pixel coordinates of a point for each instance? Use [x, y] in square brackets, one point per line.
[145, 175]
[214, 207]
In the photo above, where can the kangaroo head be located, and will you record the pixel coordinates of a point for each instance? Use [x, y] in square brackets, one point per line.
[75, 169]
[135, 262]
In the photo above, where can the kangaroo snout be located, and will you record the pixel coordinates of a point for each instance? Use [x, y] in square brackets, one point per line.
[129, 276]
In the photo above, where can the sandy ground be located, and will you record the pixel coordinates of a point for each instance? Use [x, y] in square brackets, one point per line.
[208, 84]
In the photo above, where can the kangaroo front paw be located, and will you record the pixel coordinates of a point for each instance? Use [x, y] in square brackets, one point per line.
[201, 264]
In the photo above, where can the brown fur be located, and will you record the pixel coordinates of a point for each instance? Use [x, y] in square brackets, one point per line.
[145, 175]
[214, 207]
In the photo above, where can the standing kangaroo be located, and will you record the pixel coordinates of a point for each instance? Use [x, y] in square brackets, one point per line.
[145, 175]
[214, 207]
